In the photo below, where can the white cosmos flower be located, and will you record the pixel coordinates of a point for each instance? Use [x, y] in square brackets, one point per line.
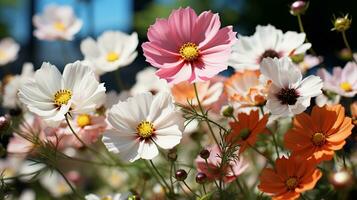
[56, 23]
[117, 196]
[267, 41]
[55, 184]
[288, 94]
[51, 95]
[142, 122]
[148, 81]
[10, 98]
[112, 50]
[8, 50]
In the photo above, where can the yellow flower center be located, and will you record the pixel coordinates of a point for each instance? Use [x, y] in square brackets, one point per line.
[59, 26]
[106, 198]
[318, 139]
[2, 55]
[291, 183]
[145, 129]
[62, 97]
[189, 51]
[83, 120]
[112, 57]
[346, 86]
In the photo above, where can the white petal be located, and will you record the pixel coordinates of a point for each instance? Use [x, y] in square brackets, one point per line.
[168, 137]
[48, 79]
[310, 86]
[148, 150]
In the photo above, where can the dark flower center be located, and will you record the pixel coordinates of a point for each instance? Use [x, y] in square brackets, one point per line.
[269, 54]
[287, 96]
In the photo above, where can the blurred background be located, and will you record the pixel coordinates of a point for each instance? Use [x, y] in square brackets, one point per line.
[137, 15]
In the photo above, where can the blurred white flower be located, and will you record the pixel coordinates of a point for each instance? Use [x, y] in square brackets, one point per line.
[56, 23]
[16, 166]
[8, 51]
[267, 41]
[51, 95]
[142, 122]
[108, 197]
[27, 195]
[55, 184]
[309, 62]
[10, 98]
[112, 50]
[288, 94]
[148, 81]
[331, 99]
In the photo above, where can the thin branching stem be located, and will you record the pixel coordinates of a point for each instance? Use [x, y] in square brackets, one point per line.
[202, 111]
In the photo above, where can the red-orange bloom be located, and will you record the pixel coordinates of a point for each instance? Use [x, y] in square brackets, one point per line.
[290, 177]
[318, 135]
[246, 129]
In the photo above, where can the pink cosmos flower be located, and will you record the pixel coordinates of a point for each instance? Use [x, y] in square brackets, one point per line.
[87, 127]
[187, 47]
[342, 81]
[212, 167]
[30, 130]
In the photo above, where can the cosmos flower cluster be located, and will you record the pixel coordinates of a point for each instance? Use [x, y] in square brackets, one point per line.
[247, 130]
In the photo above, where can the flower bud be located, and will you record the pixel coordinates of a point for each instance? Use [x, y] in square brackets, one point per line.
[4, 124]
[181, 175]
[172, 154]
[204, 154]
[299, 7]
[201, 178]
[342, 23]
[227, 111]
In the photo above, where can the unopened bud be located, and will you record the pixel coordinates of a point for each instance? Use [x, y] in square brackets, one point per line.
[181, 175]
[201, 178]
[4, 124]
[204, 154]
[298, 7]
[342, 24]
[172, 154]
[227, 111]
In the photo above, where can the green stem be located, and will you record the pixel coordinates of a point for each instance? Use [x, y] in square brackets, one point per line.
[80, 140]
[121, 85]
[276, 145]
[262, 154]
[344, 37]
[171, 175]
[301, 27]
[188, 187]
[69, 184]
[204, 188]
[203, 113]
[160, 175]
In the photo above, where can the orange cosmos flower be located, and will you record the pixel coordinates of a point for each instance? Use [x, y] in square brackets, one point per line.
[208, 92]
[290, 177]
[319, 135]
[245, 89]
[246, 129]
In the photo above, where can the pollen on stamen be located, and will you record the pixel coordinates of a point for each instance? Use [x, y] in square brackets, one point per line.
[145, 129]
[62, 97]
[189, 51]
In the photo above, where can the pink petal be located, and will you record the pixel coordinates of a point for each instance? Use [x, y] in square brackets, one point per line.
[181, 23]
[206, 27]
